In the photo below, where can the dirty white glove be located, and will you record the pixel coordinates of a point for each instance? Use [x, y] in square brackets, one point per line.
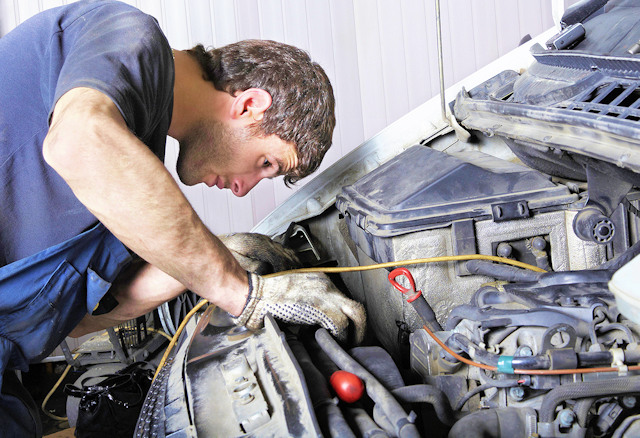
[293, 298]
[258, 253]
[302, 299]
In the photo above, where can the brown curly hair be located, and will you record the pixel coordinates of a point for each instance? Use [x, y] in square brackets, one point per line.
[303, 107]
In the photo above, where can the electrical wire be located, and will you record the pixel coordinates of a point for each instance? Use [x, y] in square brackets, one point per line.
[46, 399]
[456, 258]
[160, 332]
[330, 270]
[478, 389]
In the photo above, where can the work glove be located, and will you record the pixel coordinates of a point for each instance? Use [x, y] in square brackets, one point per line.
[295, 298]
[258, 253]
[309, 298]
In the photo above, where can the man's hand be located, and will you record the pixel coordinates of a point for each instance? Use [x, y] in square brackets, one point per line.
[258, 253]
[295, 298]
[302, 299]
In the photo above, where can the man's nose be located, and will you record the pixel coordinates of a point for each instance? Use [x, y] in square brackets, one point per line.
[242, 186]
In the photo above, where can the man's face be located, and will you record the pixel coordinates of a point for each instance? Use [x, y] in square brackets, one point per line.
[218, 155]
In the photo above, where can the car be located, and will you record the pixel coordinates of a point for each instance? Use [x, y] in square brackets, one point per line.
[524, 318]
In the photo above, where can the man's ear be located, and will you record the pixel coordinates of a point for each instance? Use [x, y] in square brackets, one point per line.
[250, 104]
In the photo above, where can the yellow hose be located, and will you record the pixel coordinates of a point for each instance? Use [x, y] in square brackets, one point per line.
[331, 270]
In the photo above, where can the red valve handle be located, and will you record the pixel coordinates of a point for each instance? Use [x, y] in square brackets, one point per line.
[404, 271]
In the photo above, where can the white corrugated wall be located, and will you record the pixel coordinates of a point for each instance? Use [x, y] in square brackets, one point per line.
[379, 54]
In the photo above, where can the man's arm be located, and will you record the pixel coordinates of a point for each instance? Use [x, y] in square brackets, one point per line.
[139, 289]
[130, 191]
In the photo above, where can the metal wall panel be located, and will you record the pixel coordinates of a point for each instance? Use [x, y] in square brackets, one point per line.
[379, 54]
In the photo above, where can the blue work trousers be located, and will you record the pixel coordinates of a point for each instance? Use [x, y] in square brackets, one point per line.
[43, 297]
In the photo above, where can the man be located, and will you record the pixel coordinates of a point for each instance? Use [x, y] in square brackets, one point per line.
[88, 93]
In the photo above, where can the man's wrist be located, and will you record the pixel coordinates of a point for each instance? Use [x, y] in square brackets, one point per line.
[246, 302]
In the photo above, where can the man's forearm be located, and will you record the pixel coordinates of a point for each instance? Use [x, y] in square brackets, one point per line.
[129, 190]
[138, 290]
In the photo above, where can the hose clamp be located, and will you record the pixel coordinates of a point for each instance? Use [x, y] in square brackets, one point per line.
[617, 361]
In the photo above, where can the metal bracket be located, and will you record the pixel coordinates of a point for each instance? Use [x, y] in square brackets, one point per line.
[463, 237]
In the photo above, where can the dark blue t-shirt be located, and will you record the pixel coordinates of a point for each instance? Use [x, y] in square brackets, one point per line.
[105, 45]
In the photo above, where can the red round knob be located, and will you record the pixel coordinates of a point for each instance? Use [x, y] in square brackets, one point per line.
[347, 385]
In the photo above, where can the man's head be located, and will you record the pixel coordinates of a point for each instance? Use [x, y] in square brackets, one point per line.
[299, 101]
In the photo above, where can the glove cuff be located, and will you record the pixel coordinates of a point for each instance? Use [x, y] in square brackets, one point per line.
[255, 294]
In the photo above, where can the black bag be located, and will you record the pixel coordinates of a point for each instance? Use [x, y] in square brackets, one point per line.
[111, 408]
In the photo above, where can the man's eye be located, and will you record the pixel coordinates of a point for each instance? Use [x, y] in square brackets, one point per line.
[266, 163]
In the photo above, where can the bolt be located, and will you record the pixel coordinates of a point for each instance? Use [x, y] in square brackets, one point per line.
[539, 243]
[504, 249]
[516, 393]
[629, 401]
[566, 417]
[524, 350]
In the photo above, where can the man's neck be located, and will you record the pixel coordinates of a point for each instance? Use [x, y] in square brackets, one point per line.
[194, 97]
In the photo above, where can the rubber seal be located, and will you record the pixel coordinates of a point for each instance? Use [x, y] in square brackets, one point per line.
[505, 364]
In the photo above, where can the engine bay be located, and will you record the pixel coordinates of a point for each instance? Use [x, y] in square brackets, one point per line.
[547, 181]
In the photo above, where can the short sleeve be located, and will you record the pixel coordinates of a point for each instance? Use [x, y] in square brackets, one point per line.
[121, 52]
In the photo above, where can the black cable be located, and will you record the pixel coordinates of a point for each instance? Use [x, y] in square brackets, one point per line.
[478, 389]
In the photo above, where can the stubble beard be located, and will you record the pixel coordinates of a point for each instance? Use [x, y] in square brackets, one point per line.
[207, 149]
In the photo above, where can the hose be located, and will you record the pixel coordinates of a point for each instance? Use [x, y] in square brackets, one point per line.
[582, 408]
[571, 391]
[338, 425]
[378, 393]
[329, 416]
[425, 312]
[571, 277]
[427, 394]
[618, 326]
[366, 426]
[488, 295]
[501, 272]
[501, 422]
[378, 362]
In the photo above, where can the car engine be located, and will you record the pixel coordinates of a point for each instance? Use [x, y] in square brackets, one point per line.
[547, 181]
